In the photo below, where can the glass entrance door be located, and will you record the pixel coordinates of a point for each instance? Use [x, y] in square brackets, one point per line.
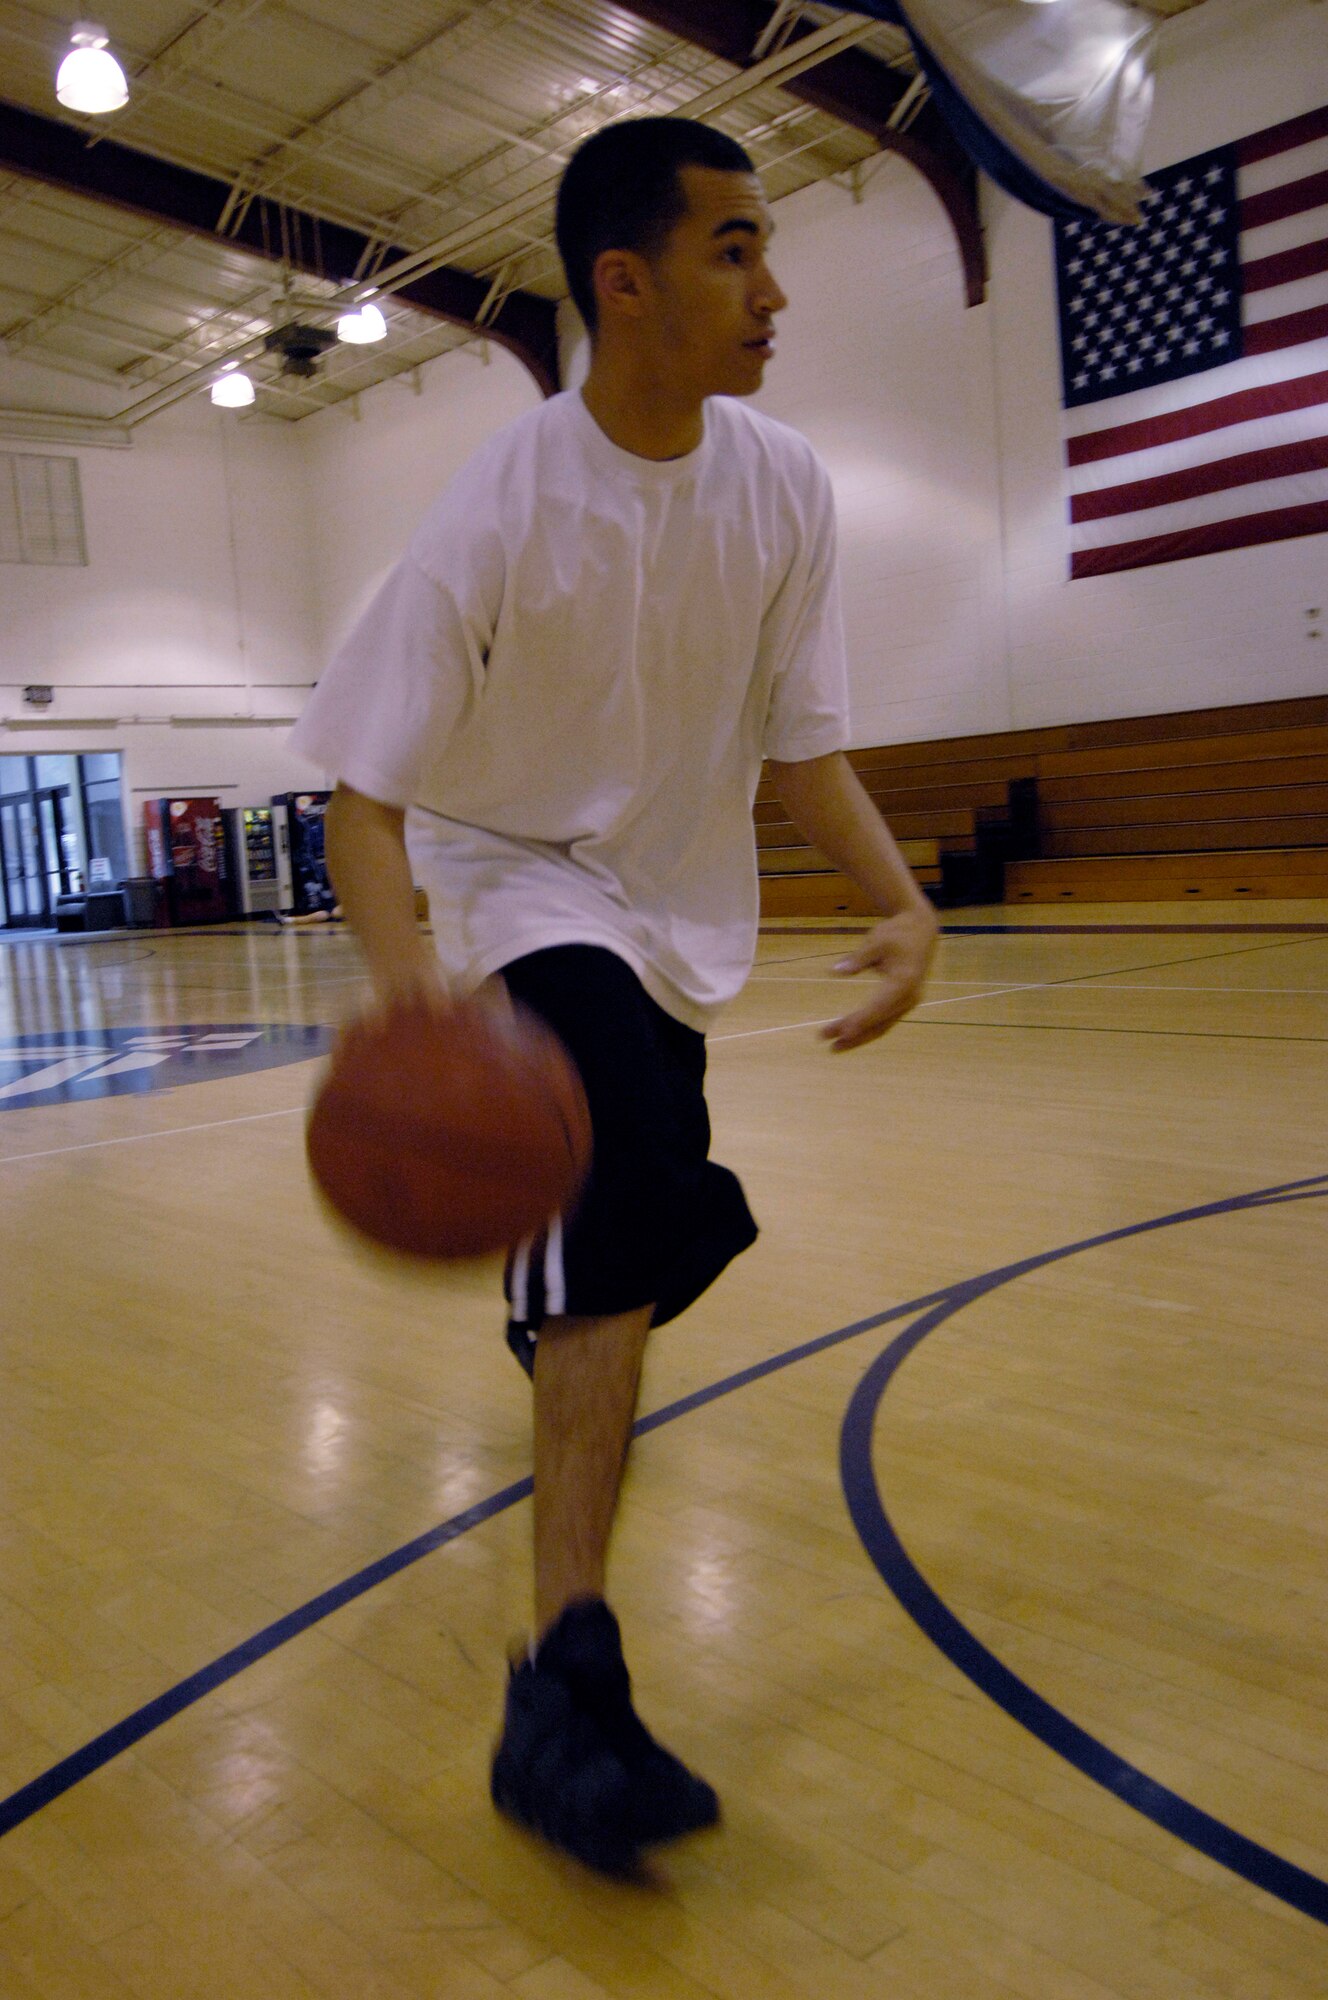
[26, 897]
[44, 815]
[59, 851]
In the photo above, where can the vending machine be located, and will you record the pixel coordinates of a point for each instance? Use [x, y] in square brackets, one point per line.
[187, 854]
[297, 819]
[251, 854]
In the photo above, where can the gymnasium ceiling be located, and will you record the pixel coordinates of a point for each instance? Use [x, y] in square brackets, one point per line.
[274, 152]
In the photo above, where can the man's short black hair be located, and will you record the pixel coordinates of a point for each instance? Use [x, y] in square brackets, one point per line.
[621, 191]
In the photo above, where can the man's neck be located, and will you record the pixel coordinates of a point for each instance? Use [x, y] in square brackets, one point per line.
[639, 414]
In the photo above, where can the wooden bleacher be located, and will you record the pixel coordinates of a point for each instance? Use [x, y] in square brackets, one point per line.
[1229, 802]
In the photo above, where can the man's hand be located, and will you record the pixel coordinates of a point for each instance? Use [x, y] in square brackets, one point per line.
[412, 986]
[899, 951]
[825, 798]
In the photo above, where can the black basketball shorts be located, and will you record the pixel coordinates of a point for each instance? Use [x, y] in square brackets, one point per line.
[658, 1220]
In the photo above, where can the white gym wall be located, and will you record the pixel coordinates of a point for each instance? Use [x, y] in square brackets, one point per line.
[227, 555]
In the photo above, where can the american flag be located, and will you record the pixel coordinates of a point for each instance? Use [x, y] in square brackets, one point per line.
[1194, 351]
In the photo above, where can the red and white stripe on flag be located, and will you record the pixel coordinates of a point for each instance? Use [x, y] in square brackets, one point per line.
[1238, 455]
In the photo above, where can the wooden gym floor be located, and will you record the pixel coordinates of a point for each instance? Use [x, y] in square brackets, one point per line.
[1099, 1484]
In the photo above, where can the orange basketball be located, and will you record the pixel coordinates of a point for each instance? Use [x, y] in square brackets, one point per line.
[449, 1134]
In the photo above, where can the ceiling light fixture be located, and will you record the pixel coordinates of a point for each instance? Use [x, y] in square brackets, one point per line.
[363, 326]
[90, 79]
[233, 390]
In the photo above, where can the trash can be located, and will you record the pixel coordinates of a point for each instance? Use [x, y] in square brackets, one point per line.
[140, 901]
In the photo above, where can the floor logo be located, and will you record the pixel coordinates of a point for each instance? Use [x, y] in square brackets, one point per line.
[70, 1067]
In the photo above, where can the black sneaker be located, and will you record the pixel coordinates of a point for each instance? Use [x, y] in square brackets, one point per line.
[576, 1762]
[585, 1649]
[555, 1774]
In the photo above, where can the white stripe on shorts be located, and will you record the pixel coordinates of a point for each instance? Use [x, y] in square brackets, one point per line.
[520, 1302]
[555, 1278]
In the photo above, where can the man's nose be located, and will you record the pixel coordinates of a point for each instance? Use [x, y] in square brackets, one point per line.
[769, 297]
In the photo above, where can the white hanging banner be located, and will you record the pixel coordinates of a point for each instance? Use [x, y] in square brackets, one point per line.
[1051, 97]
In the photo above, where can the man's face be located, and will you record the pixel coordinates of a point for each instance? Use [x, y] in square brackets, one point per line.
[712, 298]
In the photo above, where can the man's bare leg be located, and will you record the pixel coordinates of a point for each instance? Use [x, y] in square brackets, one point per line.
[575, 1761]
[587, 1372]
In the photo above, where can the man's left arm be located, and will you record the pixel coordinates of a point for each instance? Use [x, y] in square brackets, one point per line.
[825, 799]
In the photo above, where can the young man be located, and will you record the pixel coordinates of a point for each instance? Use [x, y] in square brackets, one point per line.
[553, 717]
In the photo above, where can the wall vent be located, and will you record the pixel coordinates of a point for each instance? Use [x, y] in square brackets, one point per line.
[41, 510]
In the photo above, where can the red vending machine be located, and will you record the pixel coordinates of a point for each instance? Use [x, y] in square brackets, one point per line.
[187, 853]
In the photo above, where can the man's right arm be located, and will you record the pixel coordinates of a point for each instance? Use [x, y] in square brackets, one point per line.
[370, 871]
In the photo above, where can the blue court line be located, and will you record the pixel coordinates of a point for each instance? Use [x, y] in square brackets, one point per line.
[71, 1770]
[123, 1735]
[1259, 1865]
[1209, 1835]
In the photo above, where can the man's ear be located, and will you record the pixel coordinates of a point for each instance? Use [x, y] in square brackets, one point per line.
[621, 280]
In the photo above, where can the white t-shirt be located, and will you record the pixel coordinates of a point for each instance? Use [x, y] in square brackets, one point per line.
[571, 680]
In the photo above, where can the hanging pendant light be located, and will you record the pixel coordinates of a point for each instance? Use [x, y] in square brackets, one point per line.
[233, 390]
[363, 326]
[90, 79]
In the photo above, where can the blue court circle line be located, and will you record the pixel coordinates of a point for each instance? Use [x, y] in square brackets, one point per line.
[1244, 1857]
[1176, 1815]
